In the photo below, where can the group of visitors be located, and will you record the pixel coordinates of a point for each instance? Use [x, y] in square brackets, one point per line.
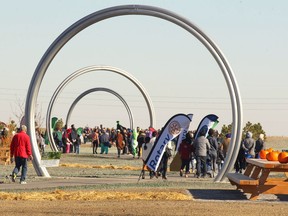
[210, 152]
[207, 152]
[137, 142]
[127, 141]
[67, 140]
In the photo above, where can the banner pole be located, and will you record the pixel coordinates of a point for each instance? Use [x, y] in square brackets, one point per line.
[142, 171]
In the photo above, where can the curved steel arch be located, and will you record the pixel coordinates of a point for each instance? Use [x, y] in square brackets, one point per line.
[105, 90]
[88, 69]
[149, 11]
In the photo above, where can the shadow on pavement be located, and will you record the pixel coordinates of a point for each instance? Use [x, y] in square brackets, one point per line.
[217, 194]
[232, 195]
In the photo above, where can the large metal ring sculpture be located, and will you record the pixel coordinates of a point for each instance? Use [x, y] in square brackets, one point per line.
[149, 11]
[88, 69]
[130, 115]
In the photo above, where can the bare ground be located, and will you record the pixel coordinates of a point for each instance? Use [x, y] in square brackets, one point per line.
[131, 207]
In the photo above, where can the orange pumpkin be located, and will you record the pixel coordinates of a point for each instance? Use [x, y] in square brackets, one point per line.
[283, 157]
[263, 153]
[272, 156]
[270, 149]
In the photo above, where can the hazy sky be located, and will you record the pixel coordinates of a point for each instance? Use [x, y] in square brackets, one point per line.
[176, 70]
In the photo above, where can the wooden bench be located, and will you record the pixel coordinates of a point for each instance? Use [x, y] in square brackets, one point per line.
[240, 179]
[256, 181]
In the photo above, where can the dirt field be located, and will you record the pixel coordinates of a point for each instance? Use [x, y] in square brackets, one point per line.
[131, 207]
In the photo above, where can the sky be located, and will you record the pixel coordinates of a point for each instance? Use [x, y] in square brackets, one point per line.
[177, 71]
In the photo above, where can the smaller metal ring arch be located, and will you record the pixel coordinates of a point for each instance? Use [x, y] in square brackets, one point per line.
[105, 90]
[94, 68]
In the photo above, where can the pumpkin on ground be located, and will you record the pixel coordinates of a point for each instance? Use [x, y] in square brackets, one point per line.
[263, 153]
[283, 157]
[272, 156]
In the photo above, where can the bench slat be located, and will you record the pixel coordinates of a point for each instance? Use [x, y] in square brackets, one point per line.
[241, 179]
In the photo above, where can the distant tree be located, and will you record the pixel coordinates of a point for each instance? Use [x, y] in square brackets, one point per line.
[225, 130]
[19, 112]
[255, 129]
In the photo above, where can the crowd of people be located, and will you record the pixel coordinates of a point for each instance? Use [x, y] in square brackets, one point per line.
[209, 152]
[206, 152]
[127, 141]
[202, 155]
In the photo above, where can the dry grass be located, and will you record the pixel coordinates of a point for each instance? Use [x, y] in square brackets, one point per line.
[96, 195]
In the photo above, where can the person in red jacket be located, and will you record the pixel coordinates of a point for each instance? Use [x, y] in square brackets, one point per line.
[185, 150]
[20, 149]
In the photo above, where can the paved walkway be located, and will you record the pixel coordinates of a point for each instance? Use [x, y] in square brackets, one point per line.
[41, 183]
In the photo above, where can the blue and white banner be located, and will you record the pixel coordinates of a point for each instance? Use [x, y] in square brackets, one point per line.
[209, 121]
[172, 129]
[183, 133]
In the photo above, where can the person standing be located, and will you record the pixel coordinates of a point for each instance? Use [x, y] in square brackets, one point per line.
[146, 148]
[249, 145]
[202, 146]
[77, 145]
[140, 141]
[246, 151]
[213, 149]
[259, 145]
[134, 142]
[40, 140]
[57, 135]
[154, 137]
[104, 140]
[125, 141]
[164, 161]
[225, 144]
[73, 138]
[119, 142]
[95, 140]
[185, 151]
[65, 140]
[20, 149]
